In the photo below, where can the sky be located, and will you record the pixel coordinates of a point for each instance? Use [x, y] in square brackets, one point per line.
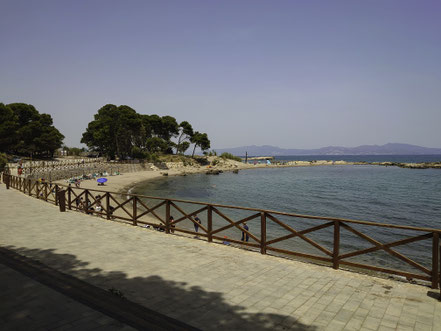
[294, 74]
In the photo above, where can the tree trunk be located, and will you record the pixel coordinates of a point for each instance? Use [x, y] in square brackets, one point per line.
[192, 155]
[179, 143]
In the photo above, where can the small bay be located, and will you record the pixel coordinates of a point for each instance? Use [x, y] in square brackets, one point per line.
[380, 194]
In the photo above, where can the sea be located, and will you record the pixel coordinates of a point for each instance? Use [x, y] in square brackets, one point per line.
[391, 195]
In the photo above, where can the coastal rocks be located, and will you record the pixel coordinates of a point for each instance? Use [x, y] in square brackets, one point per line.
[423, 165]
[164, 173]
[235, 171]
[213, 172]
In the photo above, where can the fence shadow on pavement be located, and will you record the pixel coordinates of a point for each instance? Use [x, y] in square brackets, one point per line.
[191, 305]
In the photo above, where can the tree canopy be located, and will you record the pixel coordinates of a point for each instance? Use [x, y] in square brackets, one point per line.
[200, 140]
[24, 131]
[119, 131]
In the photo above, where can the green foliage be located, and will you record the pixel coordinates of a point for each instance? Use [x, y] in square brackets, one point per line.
[24, 131]
[185, 133]
[8, 127]
[156, 145]
[113, 131]
[137, 153]
[183, 147]
[3, 161]
[230, 157]
[215, 162]
[116, 131]
[75, 151]
[200, 140]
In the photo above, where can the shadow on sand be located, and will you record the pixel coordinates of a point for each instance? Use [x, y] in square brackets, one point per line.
[191, 305]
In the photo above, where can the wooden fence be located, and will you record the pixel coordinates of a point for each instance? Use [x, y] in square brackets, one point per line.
[220, 220]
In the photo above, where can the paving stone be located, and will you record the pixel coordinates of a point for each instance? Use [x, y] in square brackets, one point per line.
[344, 315]
[422, 327]
[353, 324]
[335, 326]
[390, 321]
[401, 327]
[385, 328]
[371, 323]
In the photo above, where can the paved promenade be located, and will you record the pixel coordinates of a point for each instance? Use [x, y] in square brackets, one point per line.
[209, 286]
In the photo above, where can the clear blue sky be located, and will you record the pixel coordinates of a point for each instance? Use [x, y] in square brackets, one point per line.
[296, 74]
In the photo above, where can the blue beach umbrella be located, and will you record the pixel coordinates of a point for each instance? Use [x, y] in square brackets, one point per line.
[101, 180]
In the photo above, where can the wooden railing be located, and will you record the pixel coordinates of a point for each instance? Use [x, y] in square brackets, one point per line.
[226, 224]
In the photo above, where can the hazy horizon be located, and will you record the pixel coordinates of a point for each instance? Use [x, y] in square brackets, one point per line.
[289, 74]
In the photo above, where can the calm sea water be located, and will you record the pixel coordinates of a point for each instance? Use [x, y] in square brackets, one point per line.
[372, 193]
[365, 158]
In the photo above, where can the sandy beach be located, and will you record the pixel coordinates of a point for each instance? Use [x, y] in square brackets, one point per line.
[125, 181]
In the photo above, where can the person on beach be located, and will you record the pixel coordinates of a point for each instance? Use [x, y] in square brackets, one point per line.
[78, 201]
[89, 208]
[98, 207]
[196, 225]
[80, 205]
[172, 226]
[245, 235]
[111, 210]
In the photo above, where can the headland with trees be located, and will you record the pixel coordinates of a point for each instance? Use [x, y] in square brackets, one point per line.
[116, 132]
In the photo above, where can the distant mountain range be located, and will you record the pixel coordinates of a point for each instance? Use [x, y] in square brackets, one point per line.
[387, 149]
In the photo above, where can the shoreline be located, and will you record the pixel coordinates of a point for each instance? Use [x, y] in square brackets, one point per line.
[125, 182]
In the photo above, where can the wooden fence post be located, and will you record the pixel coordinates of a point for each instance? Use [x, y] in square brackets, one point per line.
[167, 216]
[335, 262]
[69, 197]
[86, 204]
[435, 260]
[56, 195]
[134, 210]
[29, 187]
[108, 213]
[210, 223]
[61, 197]
[37, 189]
[7, 179]
[262, 232]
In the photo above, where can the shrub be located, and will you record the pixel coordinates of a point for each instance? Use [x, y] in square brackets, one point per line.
[3, 161]
[231, 157]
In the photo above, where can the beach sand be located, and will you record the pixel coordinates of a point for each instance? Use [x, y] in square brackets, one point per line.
[124, 182]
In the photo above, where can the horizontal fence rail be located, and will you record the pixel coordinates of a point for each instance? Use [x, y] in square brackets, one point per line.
[229, 225]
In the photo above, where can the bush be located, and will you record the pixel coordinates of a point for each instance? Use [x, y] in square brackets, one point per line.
[3, 161]
[153, 157]
[231, 157]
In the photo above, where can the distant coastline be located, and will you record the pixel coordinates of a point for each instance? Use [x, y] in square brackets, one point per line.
[390, 149]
